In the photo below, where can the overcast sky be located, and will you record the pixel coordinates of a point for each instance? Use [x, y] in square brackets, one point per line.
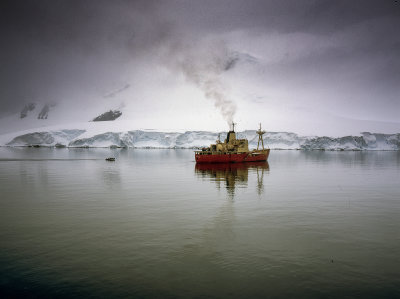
[284, 63]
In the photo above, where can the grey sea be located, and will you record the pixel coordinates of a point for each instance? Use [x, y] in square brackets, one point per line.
[152, 224]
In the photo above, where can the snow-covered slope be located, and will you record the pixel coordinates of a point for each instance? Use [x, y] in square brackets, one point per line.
[93, 135]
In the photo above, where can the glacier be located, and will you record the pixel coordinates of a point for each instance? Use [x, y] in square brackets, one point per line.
[194, 139]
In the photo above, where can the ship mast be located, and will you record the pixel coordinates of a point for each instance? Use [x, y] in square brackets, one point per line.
[260, 133]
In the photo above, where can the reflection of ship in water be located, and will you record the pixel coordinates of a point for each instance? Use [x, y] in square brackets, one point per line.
[233, 174]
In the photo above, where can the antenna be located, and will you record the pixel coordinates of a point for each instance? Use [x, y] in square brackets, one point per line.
[260, 133]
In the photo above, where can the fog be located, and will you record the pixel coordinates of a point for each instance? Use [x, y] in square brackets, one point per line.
[312, 67]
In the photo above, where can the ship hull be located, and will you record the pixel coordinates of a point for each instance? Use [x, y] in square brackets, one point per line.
[254, 156]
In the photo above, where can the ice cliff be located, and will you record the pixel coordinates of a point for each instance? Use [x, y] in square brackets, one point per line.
[196, 139]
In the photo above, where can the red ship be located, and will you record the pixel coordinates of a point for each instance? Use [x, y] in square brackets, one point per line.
[233, 150]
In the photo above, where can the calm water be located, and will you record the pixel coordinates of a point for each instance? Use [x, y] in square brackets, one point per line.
[151, 224]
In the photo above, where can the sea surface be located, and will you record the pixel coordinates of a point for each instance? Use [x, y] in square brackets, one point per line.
[152, 224]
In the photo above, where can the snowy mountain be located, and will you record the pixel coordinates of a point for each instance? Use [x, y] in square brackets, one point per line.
[118, 115]
[100, 136]
[201, 96]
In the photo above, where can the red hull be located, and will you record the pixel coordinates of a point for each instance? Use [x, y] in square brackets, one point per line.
[232, 158]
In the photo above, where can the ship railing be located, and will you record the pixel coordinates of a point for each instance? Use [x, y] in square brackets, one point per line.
[210, 153]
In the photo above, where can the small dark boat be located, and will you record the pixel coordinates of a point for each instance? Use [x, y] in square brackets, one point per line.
[110, 159]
